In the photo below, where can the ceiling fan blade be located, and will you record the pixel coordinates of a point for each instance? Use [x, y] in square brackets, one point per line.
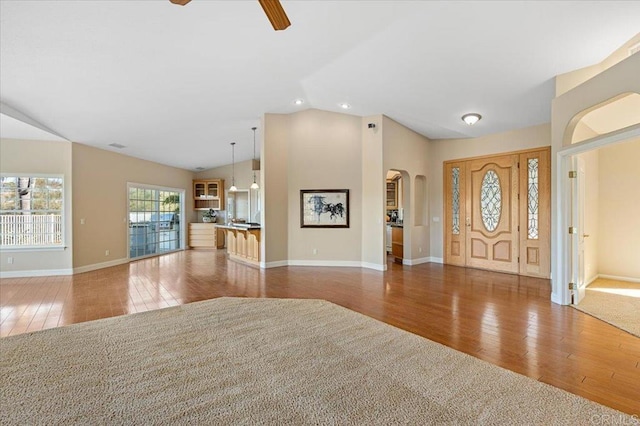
[180, 2]
[275, 13]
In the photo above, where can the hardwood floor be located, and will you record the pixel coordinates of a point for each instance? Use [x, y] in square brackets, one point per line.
[503, 319]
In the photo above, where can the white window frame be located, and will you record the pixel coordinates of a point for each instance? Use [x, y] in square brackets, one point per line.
[62, 244]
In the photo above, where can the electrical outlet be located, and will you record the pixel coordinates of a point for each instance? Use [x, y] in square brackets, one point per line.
[106, 252]
[81, 221]
[10, 260]
[315, 251]
[419, 249]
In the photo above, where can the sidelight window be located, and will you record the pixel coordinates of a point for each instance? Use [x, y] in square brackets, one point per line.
[455, 198]
[532, 199]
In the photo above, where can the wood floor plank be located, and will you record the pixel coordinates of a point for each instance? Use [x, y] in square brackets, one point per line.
[503, 319]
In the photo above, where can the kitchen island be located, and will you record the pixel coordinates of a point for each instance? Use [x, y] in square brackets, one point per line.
[243, 243]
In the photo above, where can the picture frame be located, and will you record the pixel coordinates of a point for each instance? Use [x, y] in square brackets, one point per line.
[324, 208]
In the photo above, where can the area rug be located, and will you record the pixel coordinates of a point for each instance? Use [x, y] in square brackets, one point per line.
[264, 361]
[615, 302]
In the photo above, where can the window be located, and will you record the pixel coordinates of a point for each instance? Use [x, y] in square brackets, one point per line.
[31, 211]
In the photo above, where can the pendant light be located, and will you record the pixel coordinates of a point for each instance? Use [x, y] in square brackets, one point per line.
[233, 168]
[254, 185]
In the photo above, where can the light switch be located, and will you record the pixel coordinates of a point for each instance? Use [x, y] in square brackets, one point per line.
[436, 219]
[81, 221]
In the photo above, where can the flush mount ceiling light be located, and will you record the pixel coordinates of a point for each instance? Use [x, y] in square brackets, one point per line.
[298, 101]
[254, 185]
[344, 105]
[471, 118]
[233, 168]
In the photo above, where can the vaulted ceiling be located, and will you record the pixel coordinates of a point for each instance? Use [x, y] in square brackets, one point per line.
[177, 84]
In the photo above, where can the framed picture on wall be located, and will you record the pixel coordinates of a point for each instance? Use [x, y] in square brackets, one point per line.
[324, 208]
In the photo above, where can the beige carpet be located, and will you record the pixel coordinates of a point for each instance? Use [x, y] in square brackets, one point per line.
[264, 361]
[615, 302]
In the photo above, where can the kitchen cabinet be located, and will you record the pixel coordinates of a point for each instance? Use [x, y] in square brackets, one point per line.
[208, 194]
[397, 245]
[205, 235]
[392, 194]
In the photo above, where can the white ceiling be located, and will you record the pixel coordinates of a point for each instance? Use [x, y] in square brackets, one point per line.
[177, 84]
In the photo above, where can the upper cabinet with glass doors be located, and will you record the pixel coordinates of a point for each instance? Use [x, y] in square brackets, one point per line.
[208, 194]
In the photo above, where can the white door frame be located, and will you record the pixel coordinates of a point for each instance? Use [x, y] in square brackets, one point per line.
[562, 272]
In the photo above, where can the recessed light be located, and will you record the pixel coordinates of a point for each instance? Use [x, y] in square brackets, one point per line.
[298, 101]
[117, 145]
[471, 118]
[345, 105]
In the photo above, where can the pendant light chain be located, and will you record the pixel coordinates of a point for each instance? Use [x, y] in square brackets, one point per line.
[254, 185]
[233, 167]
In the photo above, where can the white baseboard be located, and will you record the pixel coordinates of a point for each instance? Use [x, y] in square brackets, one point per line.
[332, 263]
[375, 266]
[435, 259]
[416, 261]
[93, 267]
[592, 279]
[276, 264]
[618, 278]
[35, 273]
[327, 263]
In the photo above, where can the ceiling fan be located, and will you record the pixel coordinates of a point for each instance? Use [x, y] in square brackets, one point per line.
[272, 8]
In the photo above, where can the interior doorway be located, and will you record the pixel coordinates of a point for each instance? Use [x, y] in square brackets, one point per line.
[396, 202]
[602, 189]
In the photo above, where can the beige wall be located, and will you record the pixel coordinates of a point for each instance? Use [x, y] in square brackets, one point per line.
[451, 149]
[406, 151]
[373, 193]
[315, 149]
[35, 157]
[100, 198]
[274, 159]
[619, 239]
[325, 153]
[567, 81]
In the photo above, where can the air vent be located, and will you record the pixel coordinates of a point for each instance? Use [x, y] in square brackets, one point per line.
[199, 168]
[117, 145]
[634, 49]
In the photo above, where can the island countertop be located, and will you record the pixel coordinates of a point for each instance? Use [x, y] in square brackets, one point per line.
[240, 228]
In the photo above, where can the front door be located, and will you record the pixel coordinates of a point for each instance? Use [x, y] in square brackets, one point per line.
[496, 212]
[492, 214]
